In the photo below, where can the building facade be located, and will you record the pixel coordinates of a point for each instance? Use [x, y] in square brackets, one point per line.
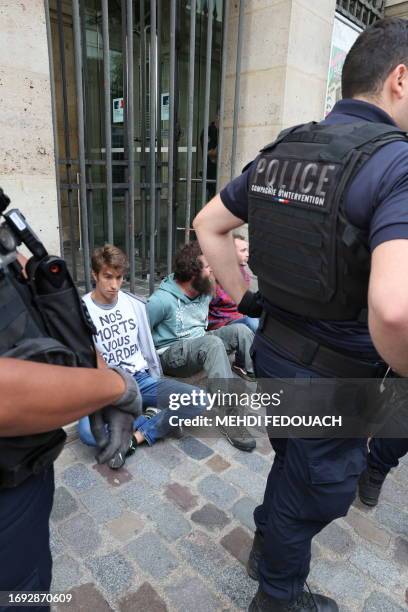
[82, 79]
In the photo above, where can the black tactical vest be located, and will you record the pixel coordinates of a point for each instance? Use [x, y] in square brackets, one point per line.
[309, 259]
[43, 326]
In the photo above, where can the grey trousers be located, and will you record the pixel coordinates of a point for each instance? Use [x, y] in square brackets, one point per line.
[210, 353]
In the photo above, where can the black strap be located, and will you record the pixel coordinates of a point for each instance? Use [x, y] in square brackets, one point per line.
[310, 354]
[370, 148]
[350, 136]
[361, 135]
[284, 133]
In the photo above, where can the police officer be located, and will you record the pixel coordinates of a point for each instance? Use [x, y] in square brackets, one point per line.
[42, 323]
[326, 206]
[36, 399]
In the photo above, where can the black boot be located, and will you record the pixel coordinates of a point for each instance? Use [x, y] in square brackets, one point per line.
[369, 486]
[239, 436]
[255, 556]
[306, 602]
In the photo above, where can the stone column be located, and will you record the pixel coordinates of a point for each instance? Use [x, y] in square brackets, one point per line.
[285, 62]
[27, 163]
[396, 8]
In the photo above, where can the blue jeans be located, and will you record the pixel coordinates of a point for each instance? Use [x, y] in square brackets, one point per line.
[155, 392]
[250, 322]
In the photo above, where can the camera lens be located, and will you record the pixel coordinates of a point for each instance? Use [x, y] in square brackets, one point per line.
[8, 243]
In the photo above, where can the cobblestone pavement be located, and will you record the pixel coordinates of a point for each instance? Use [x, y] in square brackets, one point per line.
[172, 531]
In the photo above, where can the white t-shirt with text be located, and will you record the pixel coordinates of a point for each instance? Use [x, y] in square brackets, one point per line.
[117, 337]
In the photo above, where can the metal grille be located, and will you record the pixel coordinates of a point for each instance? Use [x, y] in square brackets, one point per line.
[137, 83]
[362, 12]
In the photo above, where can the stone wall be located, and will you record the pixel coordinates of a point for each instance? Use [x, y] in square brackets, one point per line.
[285, 61]
[27, 164]
[396, 8]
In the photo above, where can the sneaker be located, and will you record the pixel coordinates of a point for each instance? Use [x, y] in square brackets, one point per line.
[255, 557]
[306, 602]
[238, 436]
[369, 486]
[242, 373]
[150, 412]
[176, 431]
[118, 460]
[132, 447]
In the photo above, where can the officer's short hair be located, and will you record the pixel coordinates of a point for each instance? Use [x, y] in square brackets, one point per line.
[111, 256]
[375, 53]
[187, 263]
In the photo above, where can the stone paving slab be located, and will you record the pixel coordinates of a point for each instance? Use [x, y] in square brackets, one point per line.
[172, 532]
[145, 598]
[191, 593]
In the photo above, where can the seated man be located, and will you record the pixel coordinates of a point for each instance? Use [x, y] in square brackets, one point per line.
[178, 313]
[223, 309]
[123, 338]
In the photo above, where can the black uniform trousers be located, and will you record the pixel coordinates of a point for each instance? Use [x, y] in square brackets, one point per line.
[386, 452]
[311, 483]
[25, 557]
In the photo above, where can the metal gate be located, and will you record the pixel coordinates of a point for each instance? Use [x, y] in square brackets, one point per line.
[138, 86]
[362, 12]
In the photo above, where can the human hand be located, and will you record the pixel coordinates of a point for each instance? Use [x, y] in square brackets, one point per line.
[250, 304]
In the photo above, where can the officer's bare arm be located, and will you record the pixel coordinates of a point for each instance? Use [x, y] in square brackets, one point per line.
[388, 303]
[37, 397]
[213, 226]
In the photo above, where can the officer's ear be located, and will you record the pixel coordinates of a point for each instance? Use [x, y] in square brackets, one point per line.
[398, 79]
[94, 276]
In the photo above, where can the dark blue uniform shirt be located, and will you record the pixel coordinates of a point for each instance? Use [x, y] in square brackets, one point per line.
[376, 201]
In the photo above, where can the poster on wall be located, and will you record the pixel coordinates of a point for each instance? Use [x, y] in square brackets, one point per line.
[117, 110]
[165, 106]
[344, 35]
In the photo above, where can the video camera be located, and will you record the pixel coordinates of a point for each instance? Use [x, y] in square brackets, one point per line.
[50, 271]
[45, 286]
